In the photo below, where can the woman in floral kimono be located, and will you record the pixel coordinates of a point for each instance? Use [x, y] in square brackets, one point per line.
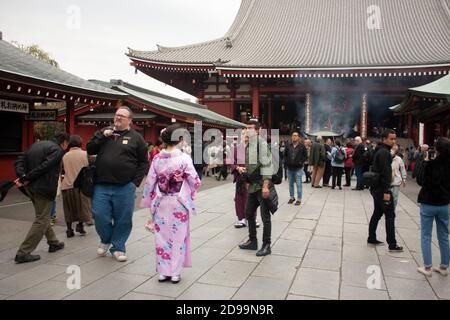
[169, 193]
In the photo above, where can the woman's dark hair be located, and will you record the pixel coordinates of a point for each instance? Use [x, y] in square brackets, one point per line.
[349, 145]
[166, 136]
[443, 146]
[159, 142]
[338, 143]
[75, 142]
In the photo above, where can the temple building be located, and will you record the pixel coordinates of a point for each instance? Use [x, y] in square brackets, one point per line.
[424, 114]
[314, 64]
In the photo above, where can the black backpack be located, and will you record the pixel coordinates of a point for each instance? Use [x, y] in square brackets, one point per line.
[85, 181]
[367, 155]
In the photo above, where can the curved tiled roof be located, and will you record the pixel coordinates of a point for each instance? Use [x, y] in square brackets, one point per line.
[170, 104]
[14, 63]
[322, 34]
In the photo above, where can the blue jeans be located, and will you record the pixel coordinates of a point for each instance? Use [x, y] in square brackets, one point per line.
[295, 176]
[112, 209]
[428, 214]
[395, 193]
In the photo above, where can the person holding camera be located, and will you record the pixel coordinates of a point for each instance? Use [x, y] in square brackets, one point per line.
[382, 194]
[259, 177]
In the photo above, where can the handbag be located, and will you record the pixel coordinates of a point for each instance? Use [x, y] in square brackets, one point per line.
[85, 181]
[371, 179]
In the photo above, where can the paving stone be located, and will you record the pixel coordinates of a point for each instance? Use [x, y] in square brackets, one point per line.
[400, 268]
[328, 231]
[228, 273]
[289, 248]
[322, 259]
[259, 288]
[145, 266]
[280, 267]
[356, 293]
[440, 285]
[326, 243]
[362, 253]
[296, 297]
[142, 296]
[48, 290]
[27, 279]
[303, 224]
[111, 287]
[358, 274]
[316, 283]
[408, 289]
[296, 234]
[200, 291]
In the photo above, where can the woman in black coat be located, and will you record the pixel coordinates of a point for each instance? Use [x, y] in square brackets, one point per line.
[434, 199]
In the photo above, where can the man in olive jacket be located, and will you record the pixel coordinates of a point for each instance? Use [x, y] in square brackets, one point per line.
[38, 171]
[317, 160]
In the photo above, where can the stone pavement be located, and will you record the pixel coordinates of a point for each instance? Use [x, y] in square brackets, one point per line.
[319, 252]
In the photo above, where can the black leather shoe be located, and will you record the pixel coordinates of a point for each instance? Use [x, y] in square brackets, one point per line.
[70, 233]
[27, 258]
[291, 201]
[265, 250]
[55, 247]
[80, 229]
[375, 243]
[249, 245]
[395, 249]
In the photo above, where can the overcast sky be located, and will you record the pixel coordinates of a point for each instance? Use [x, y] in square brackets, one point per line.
[89, 37]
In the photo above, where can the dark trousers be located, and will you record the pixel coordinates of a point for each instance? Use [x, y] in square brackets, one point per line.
[337, 174]
[359, 176]
[254, 201]
[380, 208]
[348, 176]
[327, 174]
[307, 173]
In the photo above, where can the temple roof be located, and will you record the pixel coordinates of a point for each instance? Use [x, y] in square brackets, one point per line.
[321, 35]
[434, 95]
[20, 66]
[170, 104]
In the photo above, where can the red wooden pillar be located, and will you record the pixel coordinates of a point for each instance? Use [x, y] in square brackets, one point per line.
[255, 100]
[269, 112]
[410, 127]
[70, 117]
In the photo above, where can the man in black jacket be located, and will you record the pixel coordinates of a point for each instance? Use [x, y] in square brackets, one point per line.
[121, 165]
[295, 155]
[358, 160]
[38, 171]
[327, 173]
[381, 193]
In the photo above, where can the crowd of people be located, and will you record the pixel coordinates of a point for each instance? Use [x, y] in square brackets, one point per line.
[122, 160]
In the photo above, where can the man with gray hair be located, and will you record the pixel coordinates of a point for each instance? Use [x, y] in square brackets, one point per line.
[317, 160]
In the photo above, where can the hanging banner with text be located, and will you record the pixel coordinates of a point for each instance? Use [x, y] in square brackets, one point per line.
[42, 115]
[14, 106]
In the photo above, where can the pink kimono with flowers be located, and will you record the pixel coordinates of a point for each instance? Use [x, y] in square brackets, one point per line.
[169, 193]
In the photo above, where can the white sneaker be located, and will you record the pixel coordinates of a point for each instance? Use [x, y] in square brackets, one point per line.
[241, 224]
[422, 270]
[176, 279]
[120, 256]
[103, 249]
[163, 278]
[442, 272]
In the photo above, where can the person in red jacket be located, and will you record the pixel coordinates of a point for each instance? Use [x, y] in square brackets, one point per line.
[348, 164]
